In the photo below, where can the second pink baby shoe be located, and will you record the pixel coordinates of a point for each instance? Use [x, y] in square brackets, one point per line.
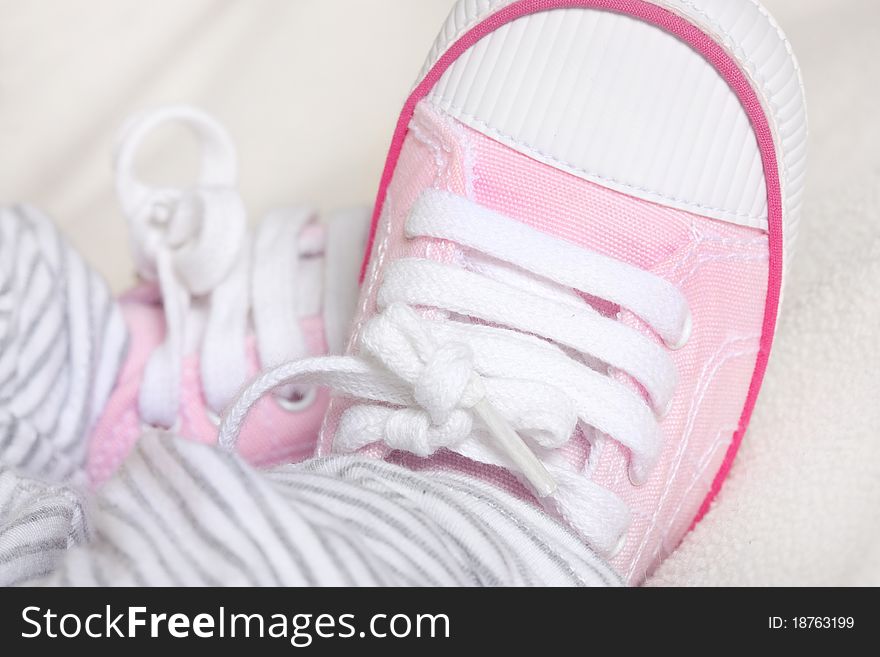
[219, 302]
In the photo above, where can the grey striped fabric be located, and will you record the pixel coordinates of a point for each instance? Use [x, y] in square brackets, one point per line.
[62, 340]
[182, 513]
[38, 523]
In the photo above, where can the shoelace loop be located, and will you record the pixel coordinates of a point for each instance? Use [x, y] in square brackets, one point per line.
[504, 360]
[447, 391]
[445, 385]
[201, 233]
[213, 277]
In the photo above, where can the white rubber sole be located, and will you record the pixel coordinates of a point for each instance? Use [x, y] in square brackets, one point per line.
[685, 139]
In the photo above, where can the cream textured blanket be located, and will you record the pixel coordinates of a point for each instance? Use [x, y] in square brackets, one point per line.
[310, 91]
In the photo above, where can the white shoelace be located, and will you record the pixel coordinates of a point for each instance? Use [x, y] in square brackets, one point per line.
[214, 277]
[504, 360]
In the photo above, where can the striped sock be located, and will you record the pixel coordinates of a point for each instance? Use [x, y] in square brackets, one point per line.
[39, 522]
[62, 341]
[181, 513]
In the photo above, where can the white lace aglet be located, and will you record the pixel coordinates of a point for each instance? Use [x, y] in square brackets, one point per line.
[512, 444]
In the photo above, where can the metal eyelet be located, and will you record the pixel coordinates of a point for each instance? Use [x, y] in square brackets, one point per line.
[686, 333]
[618, 548]
[174, 428]
[297, 405]
[213, 417]
[636, 477]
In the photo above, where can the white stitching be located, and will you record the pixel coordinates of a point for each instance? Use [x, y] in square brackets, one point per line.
[703, 384]
[452, 32]
[457, 112]
[724, 434]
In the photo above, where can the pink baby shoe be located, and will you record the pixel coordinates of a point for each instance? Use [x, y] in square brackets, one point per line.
[219, 302]
[576, 261]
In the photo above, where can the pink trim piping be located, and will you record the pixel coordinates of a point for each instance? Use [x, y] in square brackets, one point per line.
[728, 69]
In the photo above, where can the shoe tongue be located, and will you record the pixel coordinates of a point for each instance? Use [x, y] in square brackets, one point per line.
[440, 152]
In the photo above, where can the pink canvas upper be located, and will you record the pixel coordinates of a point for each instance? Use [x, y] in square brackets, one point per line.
[720, 268]
[271, 434]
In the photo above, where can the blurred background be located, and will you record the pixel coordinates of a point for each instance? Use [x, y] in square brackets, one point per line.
[311, 89]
